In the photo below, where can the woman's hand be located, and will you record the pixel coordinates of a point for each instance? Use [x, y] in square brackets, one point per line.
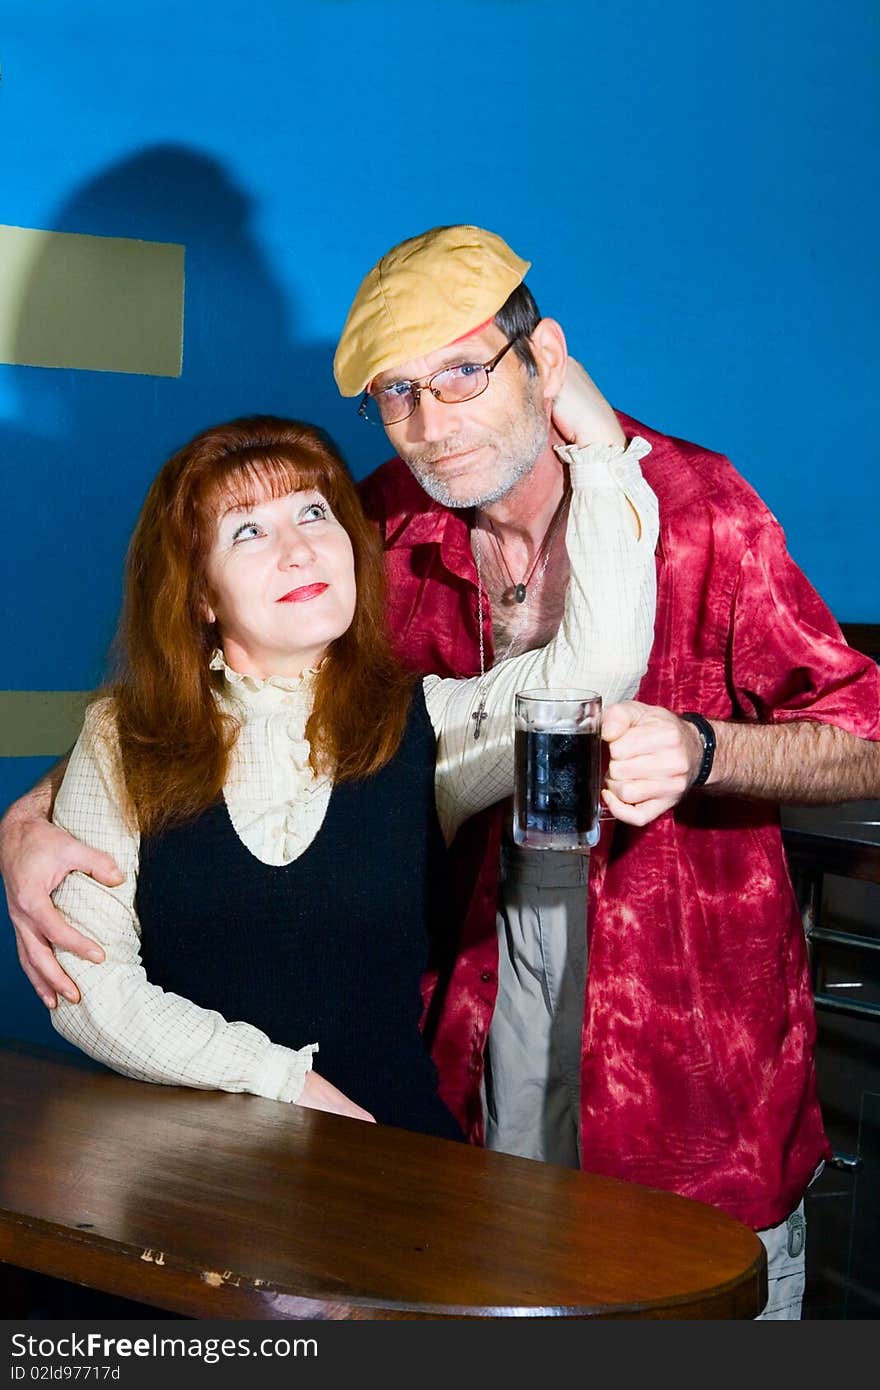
[320, 1094]
[581, 414]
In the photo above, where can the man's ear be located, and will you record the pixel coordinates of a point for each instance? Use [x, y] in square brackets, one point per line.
[550, 352]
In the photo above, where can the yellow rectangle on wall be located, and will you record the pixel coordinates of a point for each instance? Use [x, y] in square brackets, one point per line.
[101, 303]
[40, 723]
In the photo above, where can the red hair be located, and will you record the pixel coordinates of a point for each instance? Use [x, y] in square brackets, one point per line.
[174, 739]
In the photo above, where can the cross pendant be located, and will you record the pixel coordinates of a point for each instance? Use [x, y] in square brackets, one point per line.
[479, 716]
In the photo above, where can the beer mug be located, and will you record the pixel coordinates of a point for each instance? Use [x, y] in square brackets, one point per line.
[557, 769]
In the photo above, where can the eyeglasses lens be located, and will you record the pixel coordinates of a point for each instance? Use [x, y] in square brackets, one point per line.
[461, 383]
[378, 411]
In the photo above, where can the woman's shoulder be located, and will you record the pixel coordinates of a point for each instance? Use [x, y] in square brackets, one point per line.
[93, 776]
[99, 737]
[100, 718]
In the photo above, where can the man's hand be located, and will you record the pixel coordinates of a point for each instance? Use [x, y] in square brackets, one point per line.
[320, 1094]
[654, 758]
[581, 414]
[34, 857]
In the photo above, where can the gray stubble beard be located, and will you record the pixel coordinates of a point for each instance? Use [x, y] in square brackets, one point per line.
[525, 442]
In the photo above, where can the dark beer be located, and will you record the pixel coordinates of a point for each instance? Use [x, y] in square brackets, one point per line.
[557, 789]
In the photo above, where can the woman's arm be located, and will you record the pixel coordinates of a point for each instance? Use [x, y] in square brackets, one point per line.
[603, 642]
[123, 1020]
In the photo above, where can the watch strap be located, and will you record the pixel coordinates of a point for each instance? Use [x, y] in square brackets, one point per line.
[707, 738]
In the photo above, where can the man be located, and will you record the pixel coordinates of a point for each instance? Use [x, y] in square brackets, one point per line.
[693, 1067]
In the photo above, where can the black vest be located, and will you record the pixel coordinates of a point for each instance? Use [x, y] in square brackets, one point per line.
[328, 949]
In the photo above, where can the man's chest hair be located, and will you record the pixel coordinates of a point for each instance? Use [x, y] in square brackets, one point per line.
[521, 627]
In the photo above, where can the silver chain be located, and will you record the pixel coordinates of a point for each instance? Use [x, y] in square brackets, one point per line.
[479, 713]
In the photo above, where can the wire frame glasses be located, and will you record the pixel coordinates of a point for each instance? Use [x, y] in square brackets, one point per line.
[461, 382]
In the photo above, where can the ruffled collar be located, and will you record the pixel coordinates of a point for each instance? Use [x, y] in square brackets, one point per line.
[242, 683]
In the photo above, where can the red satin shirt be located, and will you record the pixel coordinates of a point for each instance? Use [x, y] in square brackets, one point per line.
[699, 1026]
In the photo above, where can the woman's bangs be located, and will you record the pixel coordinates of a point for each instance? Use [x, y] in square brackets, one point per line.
[244, 482]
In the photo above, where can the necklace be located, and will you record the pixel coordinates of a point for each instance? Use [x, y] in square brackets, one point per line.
[479, 715]
[521, 588]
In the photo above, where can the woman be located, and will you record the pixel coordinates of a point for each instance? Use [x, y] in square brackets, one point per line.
[278, 791]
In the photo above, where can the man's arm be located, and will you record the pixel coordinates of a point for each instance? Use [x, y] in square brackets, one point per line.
[655, 757]
[35, 856]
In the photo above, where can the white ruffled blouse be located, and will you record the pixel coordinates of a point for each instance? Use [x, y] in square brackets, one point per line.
[276, 803]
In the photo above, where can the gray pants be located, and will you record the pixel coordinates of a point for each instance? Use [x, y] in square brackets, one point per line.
[534, 1052]
[786, 1265]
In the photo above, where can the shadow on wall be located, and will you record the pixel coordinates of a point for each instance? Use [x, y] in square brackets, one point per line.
[80, 447]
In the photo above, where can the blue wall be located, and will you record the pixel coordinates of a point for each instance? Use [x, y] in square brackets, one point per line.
[695, 185]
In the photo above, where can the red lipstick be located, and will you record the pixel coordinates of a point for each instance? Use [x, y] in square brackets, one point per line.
[304, 594]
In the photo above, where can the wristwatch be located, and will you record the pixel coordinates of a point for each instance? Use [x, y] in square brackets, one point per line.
[707, 738]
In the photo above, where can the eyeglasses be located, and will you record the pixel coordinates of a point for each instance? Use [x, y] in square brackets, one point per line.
[450, 385]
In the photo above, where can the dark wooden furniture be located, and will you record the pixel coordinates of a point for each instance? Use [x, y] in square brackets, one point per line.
[844, 847]
[228, 1206]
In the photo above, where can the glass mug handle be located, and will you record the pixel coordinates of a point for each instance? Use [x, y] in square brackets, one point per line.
[604, 813]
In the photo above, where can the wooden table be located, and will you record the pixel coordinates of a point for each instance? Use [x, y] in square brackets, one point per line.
[228, 1206]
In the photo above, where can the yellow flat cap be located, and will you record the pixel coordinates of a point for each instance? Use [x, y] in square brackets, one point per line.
[423, 294]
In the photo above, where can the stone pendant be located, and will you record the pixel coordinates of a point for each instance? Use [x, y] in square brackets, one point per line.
[519, 593]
